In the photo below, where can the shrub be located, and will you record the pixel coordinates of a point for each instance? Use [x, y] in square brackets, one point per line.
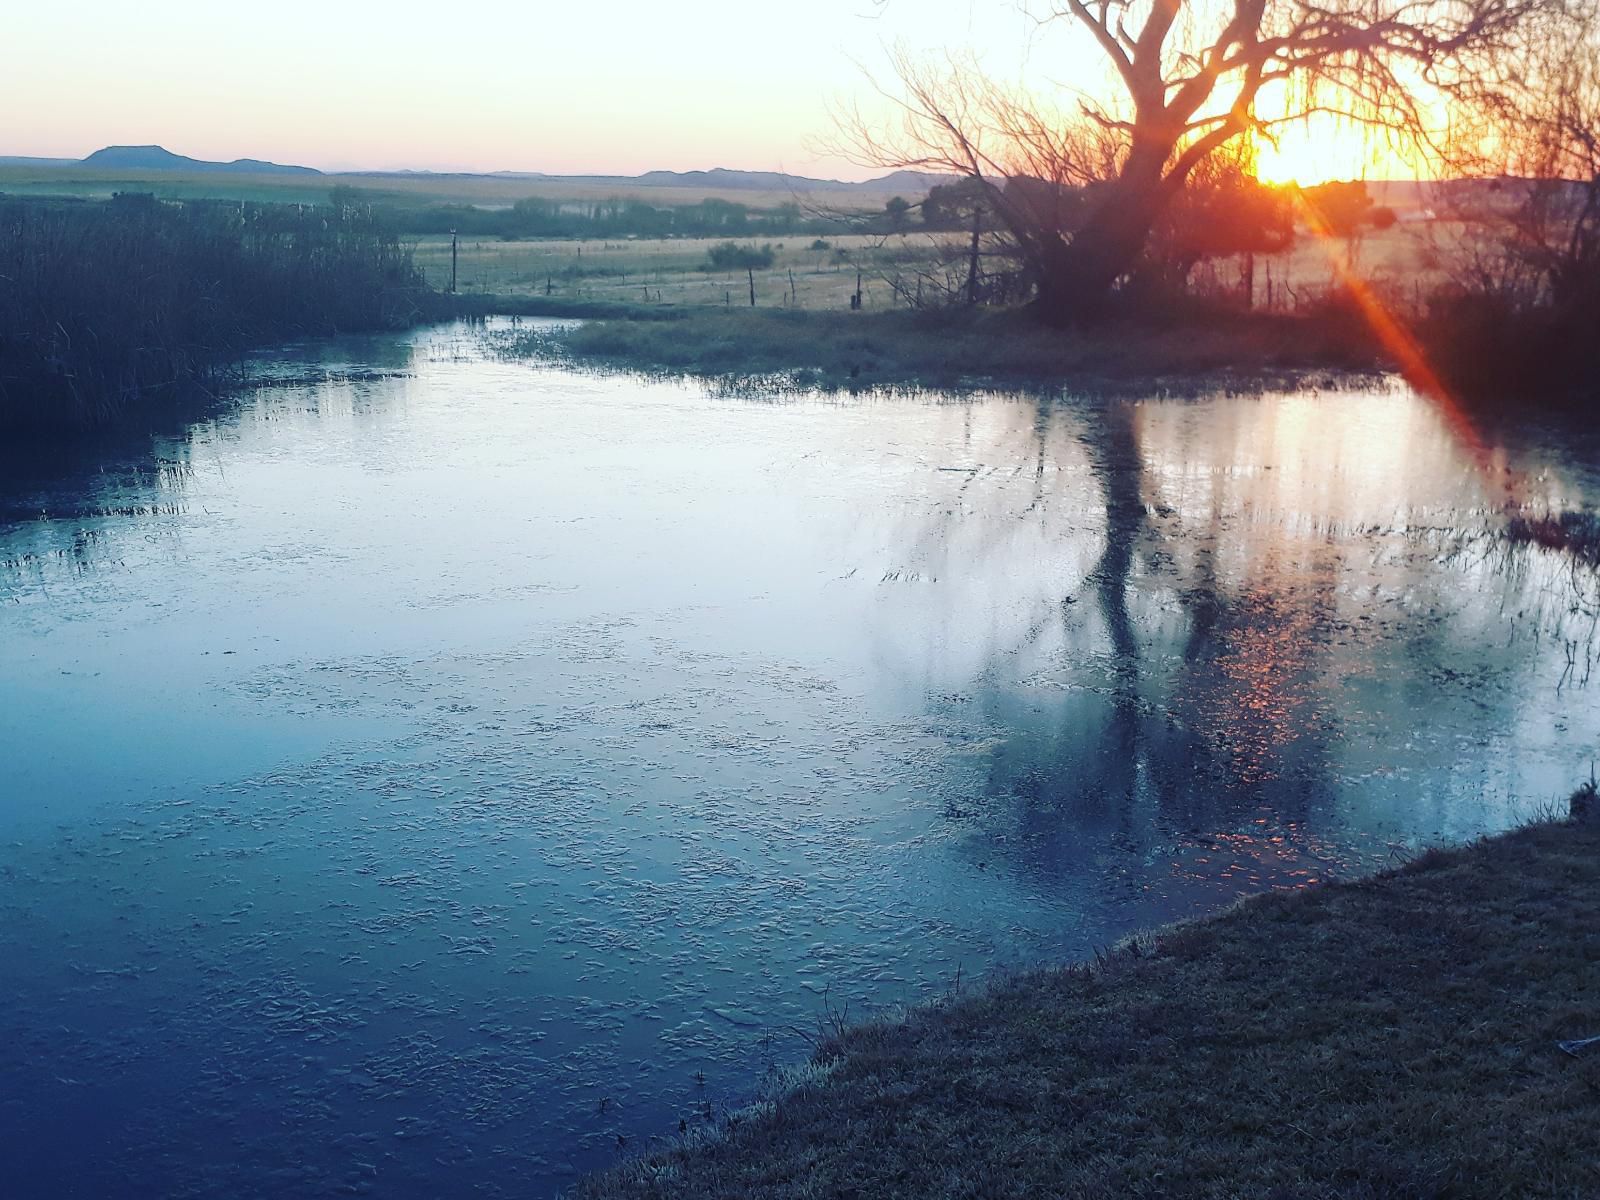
[730, 256]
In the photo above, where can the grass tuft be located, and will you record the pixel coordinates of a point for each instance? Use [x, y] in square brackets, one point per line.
[1576, 533]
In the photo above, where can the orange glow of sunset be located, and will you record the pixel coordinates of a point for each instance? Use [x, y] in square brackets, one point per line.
[1325, 146]
[1320, 149]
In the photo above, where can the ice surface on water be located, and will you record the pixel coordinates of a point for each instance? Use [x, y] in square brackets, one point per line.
[442, 774]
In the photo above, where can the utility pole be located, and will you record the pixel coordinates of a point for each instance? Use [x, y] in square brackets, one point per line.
[452, 262]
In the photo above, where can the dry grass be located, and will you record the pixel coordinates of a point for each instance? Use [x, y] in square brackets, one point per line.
[1402, 260]
[1389, 1038]
[673, 270]
[1404, 264]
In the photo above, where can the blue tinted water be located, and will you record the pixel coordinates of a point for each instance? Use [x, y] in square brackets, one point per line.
[440, 775]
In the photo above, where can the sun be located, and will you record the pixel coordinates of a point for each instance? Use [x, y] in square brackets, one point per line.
[1324, 147]
[1287, 163]
[1308, 155]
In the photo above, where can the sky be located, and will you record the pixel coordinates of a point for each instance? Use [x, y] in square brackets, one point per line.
[579, 87]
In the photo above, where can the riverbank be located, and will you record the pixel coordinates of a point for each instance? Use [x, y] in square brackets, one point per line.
[1396, 1036]
[784, 349]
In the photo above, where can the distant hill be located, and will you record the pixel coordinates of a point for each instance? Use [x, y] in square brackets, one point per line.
[178, 176]
[767, 181]
[717, 179]
[158, 158]
[910, 181]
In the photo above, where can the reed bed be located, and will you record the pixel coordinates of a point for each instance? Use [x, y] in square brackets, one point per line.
[111, 311]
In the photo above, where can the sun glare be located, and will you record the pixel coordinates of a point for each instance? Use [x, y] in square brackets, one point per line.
[1324, 148]
[1309, 157]
[1286, 164]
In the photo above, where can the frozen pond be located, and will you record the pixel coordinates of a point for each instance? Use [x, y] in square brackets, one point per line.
[439, 778]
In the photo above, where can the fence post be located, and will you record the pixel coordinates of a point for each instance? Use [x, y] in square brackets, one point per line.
[972, 267]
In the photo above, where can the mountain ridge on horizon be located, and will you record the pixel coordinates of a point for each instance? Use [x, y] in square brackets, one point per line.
[159, 158]
[155, 157]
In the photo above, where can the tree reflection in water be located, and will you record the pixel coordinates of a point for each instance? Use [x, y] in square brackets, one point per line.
[1275, 614]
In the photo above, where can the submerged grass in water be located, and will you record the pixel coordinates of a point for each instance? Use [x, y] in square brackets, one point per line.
[1578, 533]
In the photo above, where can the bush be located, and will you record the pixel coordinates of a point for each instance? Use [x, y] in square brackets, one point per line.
[730, 256]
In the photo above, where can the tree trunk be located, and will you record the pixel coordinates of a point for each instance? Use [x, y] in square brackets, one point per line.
[1076, 277]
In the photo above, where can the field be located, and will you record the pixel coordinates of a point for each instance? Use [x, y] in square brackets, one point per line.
[1399, 261]
[675, 270]
[671, 271]
[1404, 261]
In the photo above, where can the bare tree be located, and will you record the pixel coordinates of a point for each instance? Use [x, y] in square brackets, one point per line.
[1189, 74]
[1524, 299]
[1554, 227]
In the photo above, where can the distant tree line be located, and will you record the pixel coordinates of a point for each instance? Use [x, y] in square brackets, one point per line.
[619, 217]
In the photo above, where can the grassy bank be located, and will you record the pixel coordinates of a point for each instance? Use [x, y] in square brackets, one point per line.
[1395, 1037]
[801, 349]
[112, 310]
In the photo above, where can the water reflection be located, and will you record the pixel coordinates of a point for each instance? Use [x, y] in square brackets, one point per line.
[470, 765]
[1284, 590]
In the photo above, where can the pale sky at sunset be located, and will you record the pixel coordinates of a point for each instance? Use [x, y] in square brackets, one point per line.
[571, 88]
[575, 87]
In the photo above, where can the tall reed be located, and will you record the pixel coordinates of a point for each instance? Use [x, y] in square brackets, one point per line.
[109, 309]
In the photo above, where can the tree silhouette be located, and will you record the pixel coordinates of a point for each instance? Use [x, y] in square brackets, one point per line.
[1189, 77]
